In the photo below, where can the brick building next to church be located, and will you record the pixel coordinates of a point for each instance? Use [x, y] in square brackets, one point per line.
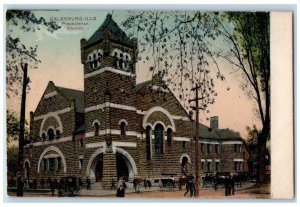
[116, 127]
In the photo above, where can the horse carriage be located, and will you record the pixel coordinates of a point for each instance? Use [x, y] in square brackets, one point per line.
[69, 186]
[217, 180]
[183, 180]
[138, 183]
[168, 182]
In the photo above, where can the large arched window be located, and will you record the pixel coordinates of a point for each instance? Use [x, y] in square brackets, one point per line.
[159, 129]
[169, 137]
[50, 134]
[148, 142]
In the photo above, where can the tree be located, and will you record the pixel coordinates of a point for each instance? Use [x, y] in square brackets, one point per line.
[18, 52]
[12, 160]
[12, 127]
[177, 45]
[248, 41]
[182, 45]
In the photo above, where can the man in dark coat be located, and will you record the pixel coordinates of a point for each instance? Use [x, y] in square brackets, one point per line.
[231, 184]
[227, 186]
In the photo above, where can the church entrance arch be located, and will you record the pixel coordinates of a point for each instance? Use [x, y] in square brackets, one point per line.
[122, 166]
[96, 171]
[125, 165]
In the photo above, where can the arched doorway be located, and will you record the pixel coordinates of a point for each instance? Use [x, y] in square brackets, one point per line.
[122, 166]
[124, 163]
[97, 168]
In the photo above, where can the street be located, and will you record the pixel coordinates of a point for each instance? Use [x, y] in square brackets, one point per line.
[248, 191]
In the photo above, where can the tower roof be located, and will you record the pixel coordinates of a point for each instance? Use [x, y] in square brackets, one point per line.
[110, 30]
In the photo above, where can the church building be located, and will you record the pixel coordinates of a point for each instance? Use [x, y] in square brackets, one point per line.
[117, 128]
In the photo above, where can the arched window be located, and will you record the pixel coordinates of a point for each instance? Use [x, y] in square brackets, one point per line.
[159, 129]
[169, 137]
[148, 142]
[184, 166]
[122, 127]
[126, 61]
[94, 61]
[44, 136]
[121, 61]
[116, 60]
[96, 128]
[50, 134]
[57, 134]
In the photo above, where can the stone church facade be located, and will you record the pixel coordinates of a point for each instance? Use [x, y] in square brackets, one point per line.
[116, 127]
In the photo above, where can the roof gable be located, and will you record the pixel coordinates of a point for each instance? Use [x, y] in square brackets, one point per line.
[109, 30]
[68, 94]
[72, 94]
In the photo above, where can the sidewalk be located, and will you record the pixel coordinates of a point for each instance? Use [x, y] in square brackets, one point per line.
[130, 190]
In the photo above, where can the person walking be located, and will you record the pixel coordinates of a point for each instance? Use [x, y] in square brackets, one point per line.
[121, 188]
[88, 183]
[231, 184]
[226, 185]
[187, 187]
[192, 185]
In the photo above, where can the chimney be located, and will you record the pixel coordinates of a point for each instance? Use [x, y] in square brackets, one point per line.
[82, 50]
[214, 122]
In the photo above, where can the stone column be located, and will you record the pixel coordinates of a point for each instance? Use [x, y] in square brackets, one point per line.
[109, 170]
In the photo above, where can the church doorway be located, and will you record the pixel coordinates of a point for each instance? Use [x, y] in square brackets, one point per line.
[122, 166]
[97, 168]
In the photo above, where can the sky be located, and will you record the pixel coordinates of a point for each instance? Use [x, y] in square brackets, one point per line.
[60, 56]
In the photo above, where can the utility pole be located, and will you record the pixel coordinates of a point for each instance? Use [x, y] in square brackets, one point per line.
[197, 157]
[22, 129]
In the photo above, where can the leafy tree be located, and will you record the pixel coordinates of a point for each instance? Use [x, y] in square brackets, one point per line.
[12, 160]
[17, 52]
[183, 47]
[178, 45]
[248, 40]
[12, 127]
[252, 135]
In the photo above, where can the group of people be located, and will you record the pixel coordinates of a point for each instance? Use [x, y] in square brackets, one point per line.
[228, 182]
[229, 185]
